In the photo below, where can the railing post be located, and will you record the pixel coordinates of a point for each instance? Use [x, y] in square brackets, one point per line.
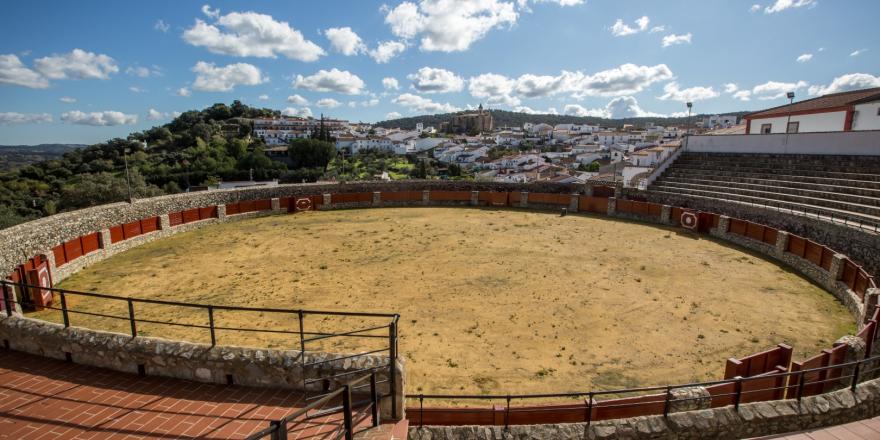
[211, 325]
[800, 388]
[6, 302]
[666, 401]
[589, 408]
[738, 396]
[392, 339]
[374, 396]
[131, 320]
[280, 429]
[64, 309]
[421, 410]
[855, 378]
[507, 414]
[346, 412]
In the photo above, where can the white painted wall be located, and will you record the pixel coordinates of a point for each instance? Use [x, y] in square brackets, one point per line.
[832, 121]
[864, 143]
[866, 117]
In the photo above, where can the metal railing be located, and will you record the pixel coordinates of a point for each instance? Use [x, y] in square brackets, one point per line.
[278, 429]
[300, 338]
[641, 401]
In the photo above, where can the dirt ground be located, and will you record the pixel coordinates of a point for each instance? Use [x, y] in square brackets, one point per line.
[491, 301]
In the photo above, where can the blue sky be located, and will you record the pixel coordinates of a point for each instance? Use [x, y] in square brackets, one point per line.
[83, 72]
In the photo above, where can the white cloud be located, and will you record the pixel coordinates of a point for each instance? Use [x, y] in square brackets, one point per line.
[249, 34]
[102, 119]
[433, 80]
[419, 104]
[579, 110]
[210, 78]
[619, 29]
[345, 41]
[656, 29]
[844, 83]
[13, 72]
[15, 118]
[743, 95]
[672, 39]
[524, 3]
[495, 89]
[730, 88]
[628, 79]
[78, 64]
[142, 72]
[858, 52]
[534, 86]
[333, 80]
[211, 13]
[67, 99]
[449, 25]
[263, 97]
[755, 8]
[328, 103]
[775, 90]
[531, 111]
[693, 94]
[136, 89]
[297, 100]
[369, 103]
[156, 115]
[393, 115]
[805, 57]
[620, 107]
[303, 112]
[782, 5]
[387, 50]
[390, 83]
[161, 26]
[183, 91]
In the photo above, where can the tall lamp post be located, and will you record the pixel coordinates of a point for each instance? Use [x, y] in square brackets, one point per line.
[688, 132]
[127, 175]
[790, 96]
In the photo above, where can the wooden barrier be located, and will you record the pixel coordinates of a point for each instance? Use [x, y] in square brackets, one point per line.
[513, 198]
[401, 196]
[246, 206]
[762, 388]
[868, 333]
[603, 191]
[451, 416]
[626, 407]
[450, 196]
[492, 198]
[193, 215]
[289, 203]
[759, 363]
[816, 382]
[75, 248]
[550, 199]
[598, 205]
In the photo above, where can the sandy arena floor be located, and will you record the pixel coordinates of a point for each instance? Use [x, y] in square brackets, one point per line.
[491, 301]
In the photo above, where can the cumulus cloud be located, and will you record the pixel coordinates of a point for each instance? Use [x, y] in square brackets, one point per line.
[393, 115]
[619, 29]
[579, 110]
[628, 79]
[15, 118]
[386, 50]
[156, 115]
[101, 119]
[67, 99]
[249, 34]
[531, 111]
[210, 78]
[844, 83]
[782, 5]
[333, 80]
[328, 103]
[672, 39]
[420, 104]
[303, 112]
[13, 72]
[161, 26]
[183, 91]
[433, 80]
[730, 88]
[210, 13]
[755, 8]
[620, 107]
[263, 97]
[136, 89]
[775, 90]
[858, 52]
[525, 3]
[78, 64]
[495, 89]
[803, 58]
[743, 95]
[297, 100]
[345, 41]
[143, 72]
[449, 25]
[390, 83]
[672, 92]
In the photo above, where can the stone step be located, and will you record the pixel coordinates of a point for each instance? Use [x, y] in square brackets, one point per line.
[818, 193]
[776, 196]
[872, 184]
[776, 170]
[865, 190]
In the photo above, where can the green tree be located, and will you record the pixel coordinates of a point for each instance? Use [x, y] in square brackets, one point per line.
[310, 153]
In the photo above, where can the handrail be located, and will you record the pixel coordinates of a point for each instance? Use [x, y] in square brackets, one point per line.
[660, 168]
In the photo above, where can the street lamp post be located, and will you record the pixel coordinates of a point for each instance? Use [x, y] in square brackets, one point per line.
[127, 175]
[790, 96]
[688, 132]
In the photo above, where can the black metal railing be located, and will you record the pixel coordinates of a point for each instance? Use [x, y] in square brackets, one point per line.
[386, 331]
[656, 400]
[279, 429]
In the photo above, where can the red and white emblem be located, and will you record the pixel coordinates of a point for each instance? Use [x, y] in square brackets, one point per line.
[303, 204]
[690, 220]
[40, 277]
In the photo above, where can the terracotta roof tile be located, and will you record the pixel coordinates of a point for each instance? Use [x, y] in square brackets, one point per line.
[831, 101]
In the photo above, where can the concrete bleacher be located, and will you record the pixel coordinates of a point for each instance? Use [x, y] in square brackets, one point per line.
[838, 188]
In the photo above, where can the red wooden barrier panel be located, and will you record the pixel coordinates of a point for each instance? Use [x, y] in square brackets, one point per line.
[630, 407]
[493, 198]
[850, 272]
[759, 363]
[676, 215]
[58, 251]
[513, 198]
[245, 206]
[132, 229]
[812, 381]
[535, 415]
[401, 196]
[176, 218]
[827, 256]
[549, 198]
[73, 249]
[813, 252]
[149, 225]
[262, 205]
[868, 333]
[655, 209]
[233, 208]
[797, 245]
[738, 226]
[91, 242]
[449, 196]
[191, 215]
[765, 388]
[598, 205]
[603, 191]
[352, 197]
[451, 416]
[624, 206]
[722, 394]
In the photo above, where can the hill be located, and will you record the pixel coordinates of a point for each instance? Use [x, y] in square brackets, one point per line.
[16, 156]
[505, 118]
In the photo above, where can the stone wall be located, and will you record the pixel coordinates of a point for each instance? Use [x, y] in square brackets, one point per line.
[751, 420]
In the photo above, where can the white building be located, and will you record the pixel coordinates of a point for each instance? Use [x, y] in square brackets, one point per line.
[719, 121]
[847, 111]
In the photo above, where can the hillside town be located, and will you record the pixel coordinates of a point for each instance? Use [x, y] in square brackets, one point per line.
[473, 143]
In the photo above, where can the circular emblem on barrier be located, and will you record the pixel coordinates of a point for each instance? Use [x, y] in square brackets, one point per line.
[689, 220]
[303, 204]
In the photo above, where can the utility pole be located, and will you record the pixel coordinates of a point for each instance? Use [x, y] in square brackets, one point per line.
[688, 132]
[790, 96]
[127, 175]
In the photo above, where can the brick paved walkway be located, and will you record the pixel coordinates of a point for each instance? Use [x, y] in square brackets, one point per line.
[861, 430]
[42, 398]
